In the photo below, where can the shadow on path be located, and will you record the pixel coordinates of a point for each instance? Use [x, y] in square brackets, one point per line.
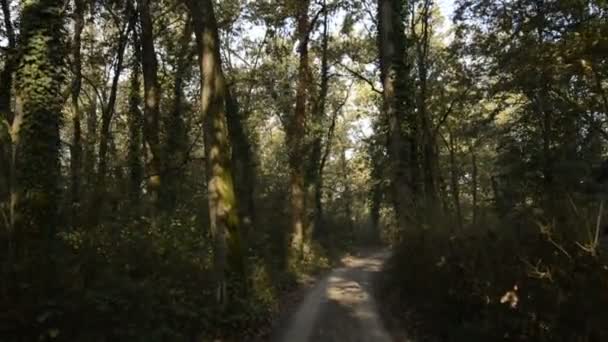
[341, 307]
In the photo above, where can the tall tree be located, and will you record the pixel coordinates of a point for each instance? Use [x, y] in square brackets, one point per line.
[455, 179]
[222, 200]
[422, 37]
[6, 74]
[152, 96]
[315, 170]
[242, 163]
[76, 148]
[108, 110]
[135, 124]
[177, 139]
[6, 113]
[40, 76]
[296, 133]
[397, 104]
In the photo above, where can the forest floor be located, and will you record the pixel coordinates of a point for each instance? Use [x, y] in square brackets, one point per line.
[341, 306]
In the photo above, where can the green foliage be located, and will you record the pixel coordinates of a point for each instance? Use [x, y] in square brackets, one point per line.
[139, 283]
[39, 80]
[503, 131]
[490, 284]
[516, 105]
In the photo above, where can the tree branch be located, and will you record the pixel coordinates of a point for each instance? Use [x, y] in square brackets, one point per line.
[330, 132]
[449, 110]
[361, 78]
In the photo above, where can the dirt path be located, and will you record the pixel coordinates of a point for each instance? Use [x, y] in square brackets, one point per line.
[341, 307]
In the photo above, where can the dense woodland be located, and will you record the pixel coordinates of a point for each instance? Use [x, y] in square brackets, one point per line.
[169, 168]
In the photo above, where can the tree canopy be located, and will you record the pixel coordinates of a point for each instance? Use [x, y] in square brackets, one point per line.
[170, 168]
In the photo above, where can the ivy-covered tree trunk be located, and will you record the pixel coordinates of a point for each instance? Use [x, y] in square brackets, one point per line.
[394, 76]
[296, 134]
[6, 113]
[222, 200]
[152, 96]
[39, 78]
[76, 148]
[6, 163]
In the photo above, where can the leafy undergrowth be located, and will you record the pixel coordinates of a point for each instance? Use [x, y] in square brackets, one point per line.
[139, 283]
[482, 286]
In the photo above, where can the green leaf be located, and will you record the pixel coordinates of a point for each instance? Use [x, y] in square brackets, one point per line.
[53, 333]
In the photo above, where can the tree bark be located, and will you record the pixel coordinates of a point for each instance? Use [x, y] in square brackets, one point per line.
[177, 140]
[242, 164]
[152, 96]
[76, 157]
[455, 181]
[320, 230]
[296, 131]
[316, 174]
[378, 161]
[474, 183]
[6, 162]
[223, 209]
[428, 139]
[91, 142]
[134, 122]
[394, 76]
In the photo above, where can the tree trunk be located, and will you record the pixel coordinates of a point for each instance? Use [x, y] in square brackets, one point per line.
[394, 76]
[6, 74]
[375, 207]
[296, 131]
[223, 209]
[106, 119]
[498, 205]
[242, 164]
[177, 139]
[347, 195]
[316, 171]
[6, 164]
[6, 113]
[35, 131]
[134, 121]
[320, 230]
[377, 178]
[454, 181]
[428, 139]
[76, 158]
[152, 98]
[474, 183]
[91, 142]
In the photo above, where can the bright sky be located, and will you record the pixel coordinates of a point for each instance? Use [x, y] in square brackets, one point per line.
[447, 8]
